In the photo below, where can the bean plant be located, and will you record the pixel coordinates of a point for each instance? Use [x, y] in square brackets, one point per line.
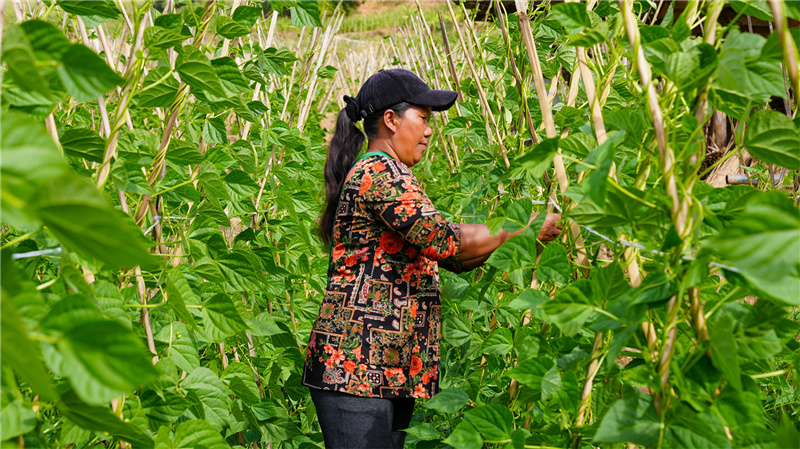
[162, 175]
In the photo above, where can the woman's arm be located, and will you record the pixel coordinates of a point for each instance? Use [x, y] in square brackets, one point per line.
[477, 243]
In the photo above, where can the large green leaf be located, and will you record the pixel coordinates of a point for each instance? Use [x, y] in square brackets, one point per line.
[214, 401]
[241, 381]
[100, 419]
[17, 419]
[21, 62]
[83, 143]
[110, 353]
[229, 28]
[159, 37]
[464, 437]
[499, 342]
[75, 212]
[49, 44]
[159, 89]
[456, 331]
[195, 70]
[494, 422]
[101, 8]
[772, 137]
[450, 400]
[197, 433]
[723, 349]
[572, 307]
[221, 318]
[85, 75]
[538, 159]
[554, 264]
[632, 419]
[306, 14]
[19, 352]
[763, 244]
[531, 372]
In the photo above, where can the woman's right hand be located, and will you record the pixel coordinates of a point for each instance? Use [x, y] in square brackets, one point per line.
[550, 229]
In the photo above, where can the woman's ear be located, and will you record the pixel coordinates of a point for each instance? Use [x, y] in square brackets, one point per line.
[390, 120]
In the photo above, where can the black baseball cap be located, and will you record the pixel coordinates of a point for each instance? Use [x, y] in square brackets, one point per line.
[390, 87]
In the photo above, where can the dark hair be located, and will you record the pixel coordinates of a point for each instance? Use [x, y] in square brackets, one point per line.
[342, 153]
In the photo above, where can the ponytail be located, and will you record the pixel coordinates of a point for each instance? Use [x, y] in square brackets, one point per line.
[342, 152]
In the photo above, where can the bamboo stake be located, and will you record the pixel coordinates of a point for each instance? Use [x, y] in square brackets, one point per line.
[547, 118]
[791, 56]
[484, 102]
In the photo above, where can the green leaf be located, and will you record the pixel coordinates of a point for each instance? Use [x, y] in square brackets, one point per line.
[571, 307]
[247, 15]
[214, 131]
[180, 292]
[211, 182]
[456, 332]
[464, 437]
[19, 352]
[538, 159]
[572, 16]
[101, 8]
[240, 380]
[554, 264]
[181, 152]
[195, 70]
[494, 422]
[17, 419]
[602, 157]
[229, 29]
[74, 211]
[156, 37]
[160, 89]
[85, 75]
[110, 353]
[531, 372]
[197, 433]
[632, 419]
[165, 407]
[518, 215]
[757, 8]
[551, 383]
[327, 72]
[100, 419]
[424, 432]
[306, 14]
[213, 396]
[763, 243]
[773, 138]
[447, 401]
[723, 349]
[221, 318]
[499, 342]
[240, 185]
[83, 143]
[230, 76]
[49, 44]
[181, 348]
[18, 54]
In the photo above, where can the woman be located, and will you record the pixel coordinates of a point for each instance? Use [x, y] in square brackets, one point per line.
[375, 346]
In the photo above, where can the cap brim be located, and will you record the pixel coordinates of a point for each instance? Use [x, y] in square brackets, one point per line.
[438, 100]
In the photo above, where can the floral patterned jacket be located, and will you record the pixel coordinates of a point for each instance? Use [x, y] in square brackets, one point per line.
[379, 323]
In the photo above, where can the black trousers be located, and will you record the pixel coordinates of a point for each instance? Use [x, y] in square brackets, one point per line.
[351, 422]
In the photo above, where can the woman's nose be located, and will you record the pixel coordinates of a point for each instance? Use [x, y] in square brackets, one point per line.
[428, 131]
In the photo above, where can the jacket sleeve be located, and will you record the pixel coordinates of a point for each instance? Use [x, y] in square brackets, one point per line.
[394, 196]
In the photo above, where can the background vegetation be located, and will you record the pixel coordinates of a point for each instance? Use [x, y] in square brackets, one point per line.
[161, 176]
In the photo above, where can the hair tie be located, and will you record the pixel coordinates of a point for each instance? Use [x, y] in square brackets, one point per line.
[352, 109]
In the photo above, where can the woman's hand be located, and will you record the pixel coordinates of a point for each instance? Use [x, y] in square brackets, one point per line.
[550, 229]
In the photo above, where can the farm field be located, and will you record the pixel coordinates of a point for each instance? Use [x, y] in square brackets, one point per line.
[161, 174]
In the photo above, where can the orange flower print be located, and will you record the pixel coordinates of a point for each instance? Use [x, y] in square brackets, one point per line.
[349, 366]
[391, 242]
[416, 366]
[419, 392]
[378, 167]
[338, 251]
[366, 183]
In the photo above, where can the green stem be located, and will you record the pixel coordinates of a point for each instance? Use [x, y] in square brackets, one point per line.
[21, 238]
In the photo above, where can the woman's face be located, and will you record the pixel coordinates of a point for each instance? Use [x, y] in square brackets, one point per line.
[410, 139]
